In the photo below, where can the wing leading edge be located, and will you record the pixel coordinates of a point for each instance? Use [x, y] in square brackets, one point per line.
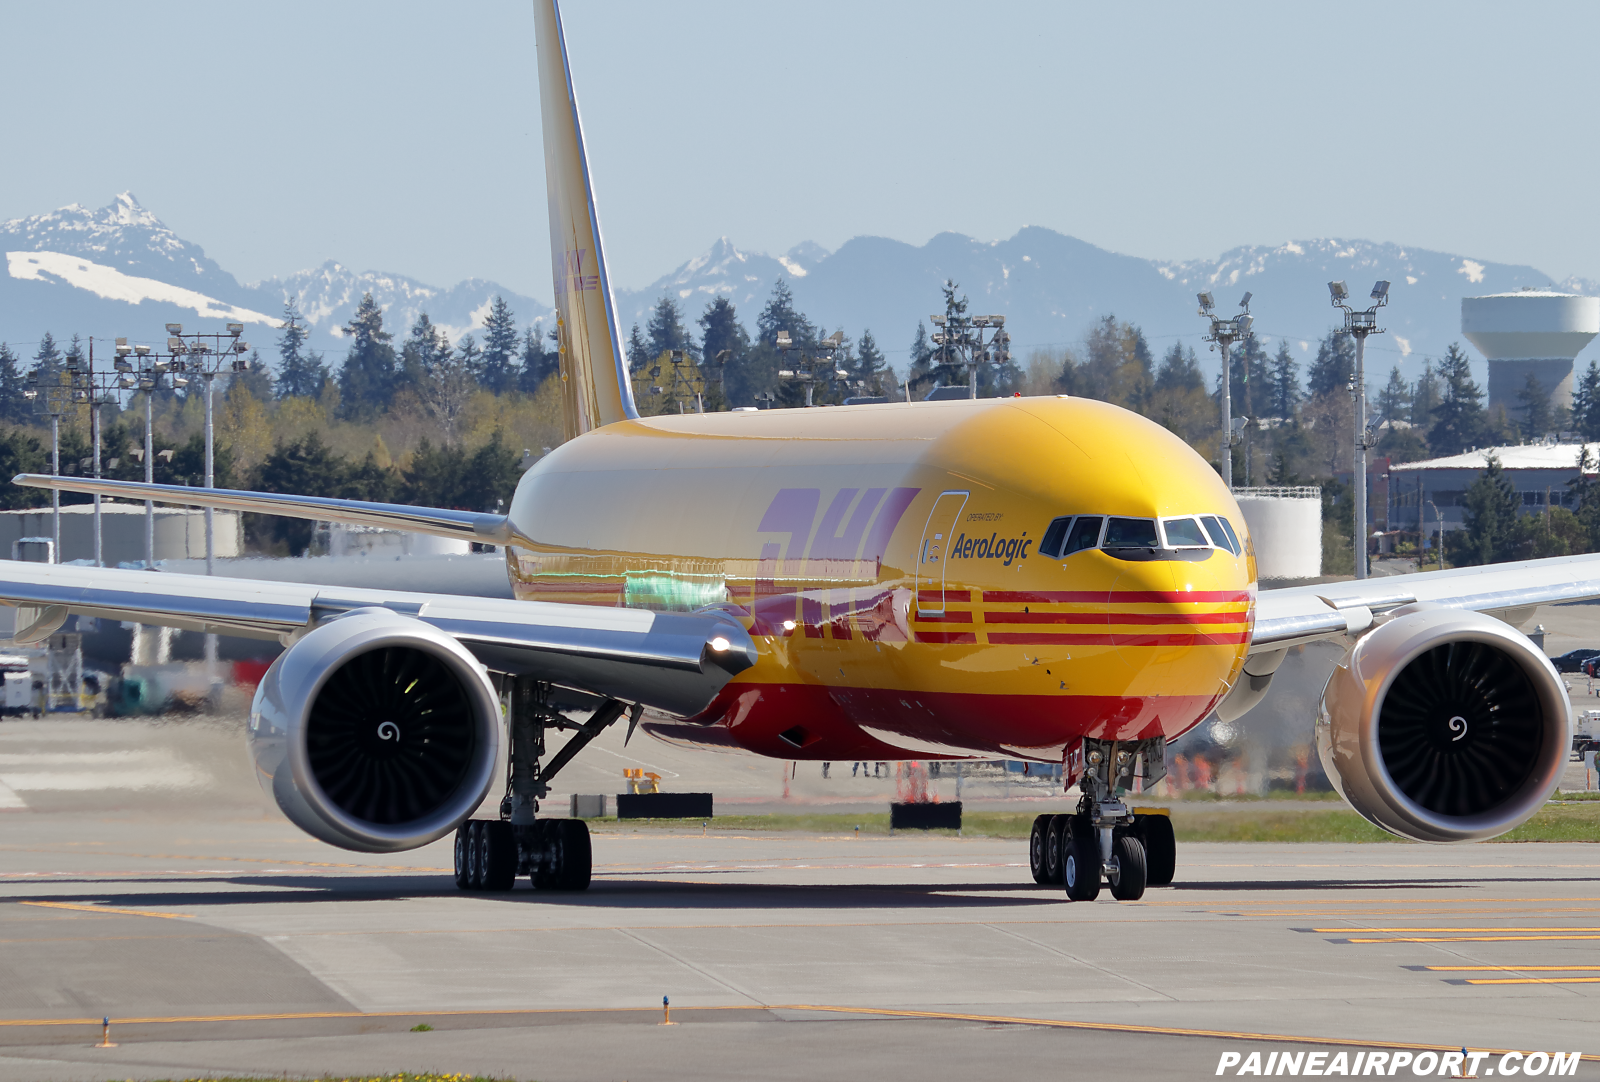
[1302, 614]
[463, 525]
[675, 662]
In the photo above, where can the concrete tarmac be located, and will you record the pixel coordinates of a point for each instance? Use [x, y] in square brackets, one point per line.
[219, 940]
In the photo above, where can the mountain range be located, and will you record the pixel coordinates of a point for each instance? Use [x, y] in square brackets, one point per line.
[119, 271]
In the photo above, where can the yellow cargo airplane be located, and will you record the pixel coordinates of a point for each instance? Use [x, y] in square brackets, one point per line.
[1048, 579]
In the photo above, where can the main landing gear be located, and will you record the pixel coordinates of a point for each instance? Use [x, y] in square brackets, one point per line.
[1105, 839]
[553, 853]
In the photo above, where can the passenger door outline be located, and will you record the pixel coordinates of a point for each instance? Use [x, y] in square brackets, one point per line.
[931, 553]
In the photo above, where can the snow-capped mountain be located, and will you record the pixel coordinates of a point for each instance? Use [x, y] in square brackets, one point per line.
[120, 271]
[1051, 287]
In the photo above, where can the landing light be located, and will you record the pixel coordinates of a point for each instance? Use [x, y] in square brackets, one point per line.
[719, 644]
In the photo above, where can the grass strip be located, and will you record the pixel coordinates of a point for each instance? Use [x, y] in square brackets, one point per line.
[1578, 821]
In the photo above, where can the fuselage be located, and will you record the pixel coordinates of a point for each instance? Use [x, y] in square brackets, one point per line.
[898, 568]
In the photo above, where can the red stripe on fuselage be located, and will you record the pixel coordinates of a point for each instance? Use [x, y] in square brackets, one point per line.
[1115, 597]
[1045, 638]
[1114, 618]
[947, 637]
[944, 597]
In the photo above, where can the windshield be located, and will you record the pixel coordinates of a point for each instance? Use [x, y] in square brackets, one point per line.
[1125, 533]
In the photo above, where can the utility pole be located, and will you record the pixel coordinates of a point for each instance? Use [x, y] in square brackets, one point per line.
[1224, 333]
[1360, 324]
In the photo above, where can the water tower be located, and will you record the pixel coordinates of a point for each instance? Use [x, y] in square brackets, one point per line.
[1531, 332]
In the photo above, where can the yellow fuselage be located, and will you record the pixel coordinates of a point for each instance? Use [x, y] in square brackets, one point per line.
[886, 560]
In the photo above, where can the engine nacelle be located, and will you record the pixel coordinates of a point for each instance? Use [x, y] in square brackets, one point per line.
[1444, 726]
[376, 732]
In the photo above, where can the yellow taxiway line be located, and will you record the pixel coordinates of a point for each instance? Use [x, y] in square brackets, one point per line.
[882, 1012]
[109, 910]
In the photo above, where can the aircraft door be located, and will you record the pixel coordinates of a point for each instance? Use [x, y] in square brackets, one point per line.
[931, 562]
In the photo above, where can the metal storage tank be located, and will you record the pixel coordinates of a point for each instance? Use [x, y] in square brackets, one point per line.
[1286, 529]
[1530, 332]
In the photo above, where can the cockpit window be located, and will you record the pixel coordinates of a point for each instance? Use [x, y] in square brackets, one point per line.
[1221, 534]
[1238, 546]
[1183, 533]
[1054, 534]
[1085, 534]
[1127, 533]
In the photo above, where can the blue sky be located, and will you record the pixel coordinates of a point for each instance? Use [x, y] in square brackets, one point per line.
[403, 136]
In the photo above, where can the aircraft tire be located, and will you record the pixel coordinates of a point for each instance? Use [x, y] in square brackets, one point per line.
[567, 855]
[1038, 850]
[464, 834]
[498, 859]
[1131, 869]
[1081, 864]
[1055, 840]
[577, 856]
[1160, 849]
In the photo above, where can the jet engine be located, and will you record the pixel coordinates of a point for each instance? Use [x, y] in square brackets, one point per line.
[1443, 725]
[376, 732]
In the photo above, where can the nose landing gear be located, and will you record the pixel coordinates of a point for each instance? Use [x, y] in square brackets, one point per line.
[1105, 840]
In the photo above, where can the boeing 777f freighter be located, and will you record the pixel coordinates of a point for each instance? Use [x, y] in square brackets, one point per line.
[1048, 579]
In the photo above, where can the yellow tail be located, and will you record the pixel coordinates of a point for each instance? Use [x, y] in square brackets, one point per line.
[594, 372]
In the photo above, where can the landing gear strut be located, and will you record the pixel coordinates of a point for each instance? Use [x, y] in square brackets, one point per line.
[553, 853]
[1104, 839]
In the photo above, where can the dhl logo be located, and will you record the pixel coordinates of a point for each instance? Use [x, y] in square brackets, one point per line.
[573, 280]
[853, 533]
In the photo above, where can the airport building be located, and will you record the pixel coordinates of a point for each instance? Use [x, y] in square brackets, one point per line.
[1436, 487]
[180, 532]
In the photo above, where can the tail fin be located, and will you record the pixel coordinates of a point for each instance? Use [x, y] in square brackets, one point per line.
[594, 372]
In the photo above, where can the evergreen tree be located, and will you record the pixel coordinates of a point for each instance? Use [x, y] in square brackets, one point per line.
[638, 351]
[366, 383]
[1586, 404]
[470, 355]
[73, 357]
[870, 366]
[538, 363]
[1492, 509]
[780, 315]
[1535, 409]
[255, 378]
[1394, 401]
[1248, 380]
[421, 354]
[665, 329]
[1459, 420]
[1284, 394]
[22, 453]
[1179, 371]
[306, 467]
[13, 406]
[47, 360]
[1335, 364]
[721, 332]
[919, 376]
[301, 373]
[1424, 397]
[497, 367]
[1116, 365]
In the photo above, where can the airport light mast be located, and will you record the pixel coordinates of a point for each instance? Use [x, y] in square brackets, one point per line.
[810, 369]
[1359, 325]
[961, 343]
[1224, 333]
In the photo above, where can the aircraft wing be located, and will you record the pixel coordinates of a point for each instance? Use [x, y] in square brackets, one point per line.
[675, 662]
[462, 525]
[1511, 591]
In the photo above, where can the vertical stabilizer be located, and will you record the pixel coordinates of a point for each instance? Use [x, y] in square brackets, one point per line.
[594, 372]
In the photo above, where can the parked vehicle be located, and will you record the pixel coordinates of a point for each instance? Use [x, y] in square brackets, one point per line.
[1573, 660]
